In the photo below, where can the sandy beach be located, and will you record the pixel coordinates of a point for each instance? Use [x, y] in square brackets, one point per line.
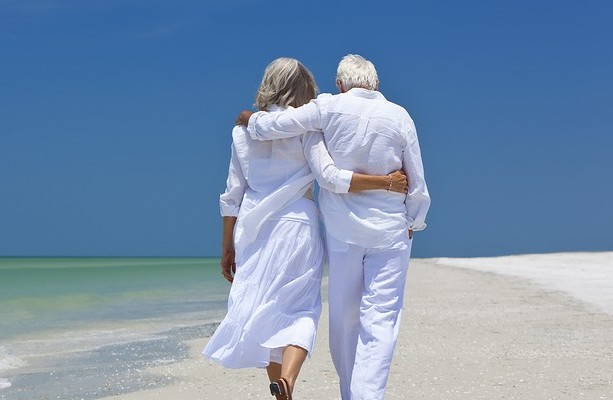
[465, 335]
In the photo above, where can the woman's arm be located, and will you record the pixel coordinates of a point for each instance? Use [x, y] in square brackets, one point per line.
[236, 184]
[228, 265]
[394, 182]
[229, 204]
[341, 180]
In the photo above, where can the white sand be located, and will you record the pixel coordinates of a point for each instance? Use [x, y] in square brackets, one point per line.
[585, 276]
[465, 335]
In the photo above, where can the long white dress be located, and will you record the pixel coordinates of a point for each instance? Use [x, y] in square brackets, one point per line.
[275, 298]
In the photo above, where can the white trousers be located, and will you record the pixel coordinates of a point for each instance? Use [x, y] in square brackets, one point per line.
[366, 291]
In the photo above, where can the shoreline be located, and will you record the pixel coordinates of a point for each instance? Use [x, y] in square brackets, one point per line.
[465, 334]
[103, 370]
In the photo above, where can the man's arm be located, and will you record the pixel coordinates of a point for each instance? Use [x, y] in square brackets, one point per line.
[418, 198]
[243, 118]
[285, 124]
[337, 180]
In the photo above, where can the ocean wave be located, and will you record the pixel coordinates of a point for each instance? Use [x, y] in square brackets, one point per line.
[101, 334]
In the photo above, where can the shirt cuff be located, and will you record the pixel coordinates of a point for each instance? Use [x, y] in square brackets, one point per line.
[228, 210]
[251, 125]
[343, 181]
[417, 227]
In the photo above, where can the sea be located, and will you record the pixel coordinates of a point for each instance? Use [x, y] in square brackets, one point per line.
[84, 328]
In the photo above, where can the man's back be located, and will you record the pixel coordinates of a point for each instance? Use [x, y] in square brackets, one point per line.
[365, 133]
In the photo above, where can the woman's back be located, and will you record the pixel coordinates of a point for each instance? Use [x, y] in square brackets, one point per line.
[268, 165]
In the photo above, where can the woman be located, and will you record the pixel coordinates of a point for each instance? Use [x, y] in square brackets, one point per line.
[272, 252]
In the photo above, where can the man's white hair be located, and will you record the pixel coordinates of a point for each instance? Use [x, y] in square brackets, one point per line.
[355, 71]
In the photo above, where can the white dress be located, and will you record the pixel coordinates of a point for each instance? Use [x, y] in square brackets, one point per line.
[275, 298]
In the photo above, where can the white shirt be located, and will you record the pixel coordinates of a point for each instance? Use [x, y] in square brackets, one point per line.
[365, 133]
[265, 179]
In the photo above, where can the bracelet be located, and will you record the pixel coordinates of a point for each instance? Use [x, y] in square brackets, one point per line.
[390, 186]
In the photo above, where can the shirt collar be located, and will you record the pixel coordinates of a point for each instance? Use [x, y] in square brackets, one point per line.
[276, 108]
[365, 93]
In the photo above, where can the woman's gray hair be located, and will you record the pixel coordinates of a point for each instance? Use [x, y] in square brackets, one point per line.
[355, 71]
[286, 82]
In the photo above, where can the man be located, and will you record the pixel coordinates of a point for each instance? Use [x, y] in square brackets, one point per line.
[369, 234]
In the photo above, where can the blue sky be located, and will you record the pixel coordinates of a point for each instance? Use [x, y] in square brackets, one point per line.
[115, 116]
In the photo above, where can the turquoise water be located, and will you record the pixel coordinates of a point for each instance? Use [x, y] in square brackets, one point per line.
[53, 307]
[40, 294]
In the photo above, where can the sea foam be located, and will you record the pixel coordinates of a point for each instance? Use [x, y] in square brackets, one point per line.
[7, 361]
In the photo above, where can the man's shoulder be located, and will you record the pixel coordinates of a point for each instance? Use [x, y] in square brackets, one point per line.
[395, 106]
[399, 111]
[323, 100]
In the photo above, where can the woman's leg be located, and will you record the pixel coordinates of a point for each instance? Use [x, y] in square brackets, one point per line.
[274, 371]
[293, 358]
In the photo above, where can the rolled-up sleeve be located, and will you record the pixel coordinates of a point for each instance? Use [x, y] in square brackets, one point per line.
[230, 201]
[289, 123]
[325, 171]
[418, 198]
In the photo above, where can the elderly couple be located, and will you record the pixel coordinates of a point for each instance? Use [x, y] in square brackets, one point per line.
[363, 151]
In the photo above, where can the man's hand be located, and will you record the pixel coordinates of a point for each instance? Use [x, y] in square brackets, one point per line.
[243, 118]
[228, 266]
[410, 233]
[398, 182]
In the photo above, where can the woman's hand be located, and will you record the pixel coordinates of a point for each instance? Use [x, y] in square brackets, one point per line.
[398, 182]
[228, 266]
